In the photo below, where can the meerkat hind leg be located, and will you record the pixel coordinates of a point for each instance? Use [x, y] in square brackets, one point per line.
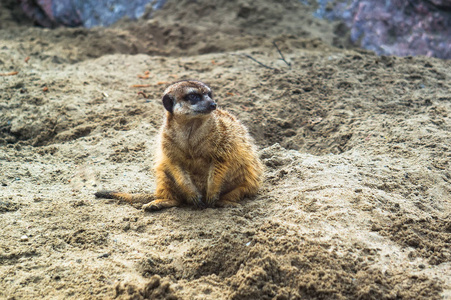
[232, 198]
[224, 203]
[160, 204]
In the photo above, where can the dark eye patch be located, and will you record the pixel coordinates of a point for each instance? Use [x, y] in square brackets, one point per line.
[193, 98]
[209, 95]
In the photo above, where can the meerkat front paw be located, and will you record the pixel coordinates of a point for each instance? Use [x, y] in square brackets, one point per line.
[211, 201]
[197, 201]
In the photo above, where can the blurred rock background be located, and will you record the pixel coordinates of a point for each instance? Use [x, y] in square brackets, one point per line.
[390, 27]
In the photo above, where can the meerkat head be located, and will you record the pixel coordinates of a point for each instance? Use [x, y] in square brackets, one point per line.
[191, 98]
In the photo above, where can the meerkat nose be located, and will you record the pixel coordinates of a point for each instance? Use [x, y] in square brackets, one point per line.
[212, 106]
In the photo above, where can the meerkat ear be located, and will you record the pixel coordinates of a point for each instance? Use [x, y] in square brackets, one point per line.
[168, 103]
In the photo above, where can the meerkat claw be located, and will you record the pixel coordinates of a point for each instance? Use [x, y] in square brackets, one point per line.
[197, 201]
[211, 202]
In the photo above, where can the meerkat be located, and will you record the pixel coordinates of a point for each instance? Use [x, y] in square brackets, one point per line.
[205, 157]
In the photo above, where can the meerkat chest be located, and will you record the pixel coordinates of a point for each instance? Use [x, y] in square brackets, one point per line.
[196, 156]
[194, 140]
[194, 146]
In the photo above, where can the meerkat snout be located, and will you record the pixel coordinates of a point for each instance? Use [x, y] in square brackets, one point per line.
[203, 106]
[212, 106]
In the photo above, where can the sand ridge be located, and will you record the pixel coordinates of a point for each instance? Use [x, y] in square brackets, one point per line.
[356, 197]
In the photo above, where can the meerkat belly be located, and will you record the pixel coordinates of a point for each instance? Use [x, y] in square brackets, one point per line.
[198, 170]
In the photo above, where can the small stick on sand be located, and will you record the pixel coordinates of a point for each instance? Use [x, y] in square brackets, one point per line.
[140, 85]
[144, 95]
[9, 74]
[261, 64]
[281, 55]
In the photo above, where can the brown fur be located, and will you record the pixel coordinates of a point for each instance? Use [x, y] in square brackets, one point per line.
[205, 157]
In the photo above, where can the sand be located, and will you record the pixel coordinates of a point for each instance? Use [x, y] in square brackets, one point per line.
[356, 200]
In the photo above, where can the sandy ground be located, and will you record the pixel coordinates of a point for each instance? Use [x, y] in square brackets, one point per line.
[356, 201]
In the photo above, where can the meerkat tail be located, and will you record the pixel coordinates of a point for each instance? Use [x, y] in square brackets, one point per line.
[131, 198]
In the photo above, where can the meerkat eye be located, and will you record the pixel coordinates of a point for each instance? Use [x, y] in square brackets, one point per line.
[210, 95]
[193, 98]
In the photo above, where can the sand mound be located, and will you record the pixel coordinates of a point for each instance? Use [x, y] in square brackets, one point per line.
[356, 198]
